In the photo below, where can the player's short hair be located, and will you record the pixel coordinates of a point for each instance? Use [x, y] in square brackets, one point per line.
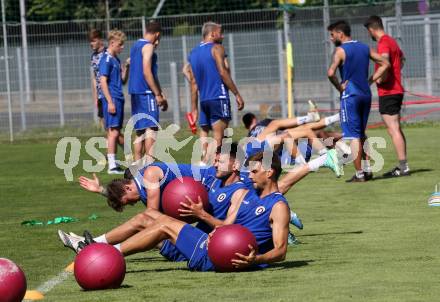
[115, 192]
[275, 163]
[232, 147]
[247, 119]
[341, 26]
[374, 22]
[95, 34]
[116, 35]
[153, 27]
[209, 27]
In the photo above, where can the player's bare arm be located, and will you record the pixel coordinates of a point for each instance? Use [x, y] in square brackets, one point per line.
[125, 70]
[94, 92]
[152, 177]
[106, 92]
[187, 72]
[218, 52]
[383, 63]
[279, 218]
[338, 59]
[147, 61]
[196, 209]
[194, 94]
[91, 185]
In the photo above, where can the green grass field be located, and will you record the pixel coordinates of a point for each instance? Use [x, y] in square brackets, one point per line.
[375, 241]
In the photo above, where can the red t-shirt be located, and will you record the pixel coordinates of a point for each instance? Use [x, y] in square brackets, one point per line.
[393, 82]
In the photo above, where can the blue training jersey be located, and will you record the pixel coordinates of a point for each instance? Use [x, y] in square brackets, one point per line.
[94, 64]
[204, 68]
[220, 200]
[203, 174]
[355, 68]
[254, 213]
[110, 67]
[137, 83]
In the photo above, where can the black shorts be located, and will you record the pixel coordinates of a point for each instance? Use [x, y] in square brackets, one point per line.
[100, 112]
[390, 104]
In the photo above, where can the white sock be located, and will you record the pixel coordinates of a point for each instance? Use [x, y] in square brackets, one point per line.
[360, 174]
[331, 119]
[118, 247]
[323, 151]
[366, 166]
[316, 163]
[111, 161]
[303, 119]
[292, 215]
[101, 239]
[299, 159]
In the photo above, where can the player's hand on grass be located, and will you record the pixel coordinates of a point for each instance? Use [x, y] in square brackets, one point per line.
[191, 208]
[245, 261]
[240, 102]
[91, 185]
[111, 108]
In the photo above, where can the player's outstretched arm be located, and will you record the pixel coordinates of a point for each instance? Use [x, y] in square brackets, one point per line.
[292, 177]
[91, 185]
[218, 53]
[280, 218]
[383, 63]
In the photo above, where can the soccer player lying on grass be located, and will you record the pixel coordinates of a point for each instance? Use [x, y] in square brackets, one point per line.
[226, 171]
[294, 128]
[265, 214]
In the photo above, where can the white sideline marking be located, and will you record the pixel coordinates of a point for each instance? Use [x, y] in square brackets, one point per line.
[51, 283]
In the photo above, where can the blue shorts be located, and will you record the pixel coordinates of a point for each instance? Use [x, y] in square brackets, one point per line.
[191, 242]
[146, 104]
[212, 111]
[354, 113]
[113, 120]
[171, 252]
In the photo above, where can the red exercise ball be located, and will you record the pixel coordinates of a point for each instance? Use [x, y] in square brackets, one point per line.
[225, 242]
[12, 281]
[175, 192]
[99, 266]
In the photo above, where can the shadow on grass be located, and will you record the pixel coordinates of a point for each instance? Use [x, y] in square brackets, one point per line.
[332, 233]
[291, 264]
[412, 172]
[147, 259]
[157, 270]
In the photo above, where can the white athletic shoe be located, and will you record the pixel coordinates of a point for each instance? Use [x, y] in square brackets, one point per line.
[313, 113]
[116, 170]
[80, 238]
[71, 242]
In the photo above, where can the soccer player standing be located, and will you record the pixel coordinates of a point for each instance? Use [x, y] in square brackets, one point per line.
[390, 91]
[211, 80]
[145, 90]
[97, 45]
[112, 76]
[353, 58]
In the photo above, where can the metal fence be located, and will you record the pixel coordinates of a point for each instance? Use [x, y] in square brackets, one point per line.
[58, 57]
